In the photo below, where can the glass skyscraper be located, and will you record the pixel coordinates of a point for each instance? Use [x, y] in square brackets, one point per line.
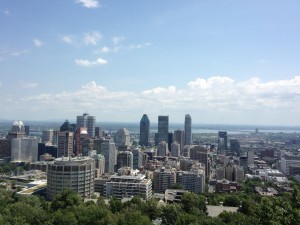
[188, 130]
[144, 130]
[163, 129]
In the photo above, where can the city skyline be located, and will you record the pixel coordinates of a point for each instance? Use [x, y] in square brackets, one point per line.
[231, 62]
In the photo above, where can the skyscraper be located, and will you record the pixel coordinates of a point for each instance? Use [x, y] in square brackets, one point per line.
[65, 143]
[188, 130]
[163, 129]
[179, 137]
[87, 121]
[144, 130]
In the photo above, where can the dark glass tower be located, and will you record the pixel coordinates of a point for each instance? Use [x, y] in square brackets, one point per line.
[163, 129]
[144, 130]
[188, 130]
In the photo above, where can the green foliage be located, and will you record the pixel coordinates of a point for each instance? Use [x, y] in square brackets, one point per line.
[65, 199]
[232, 200]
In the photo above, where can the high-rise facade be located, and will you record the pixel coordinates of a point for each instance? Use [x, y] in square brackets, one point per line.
[87, 121]
[162, 149]
[144, 130]
[76, 173]
[163, 179]
[65, 144]
[163, 129]
[24, 149]
[124, 159]
[108, 149]
[200, 153]
[175, 149]
[122, 137]
[179, 137]
[126, 184]
[188, 130]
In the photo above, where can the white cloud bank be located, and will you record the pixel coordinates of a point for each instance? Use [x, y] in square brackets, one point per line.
[89, 3]
[87, 63]
[217, 99]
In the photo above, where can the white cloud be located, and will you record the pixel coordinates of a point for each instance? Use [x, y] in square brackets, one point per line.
[89, 3]
[137, 46]
[118, 39]
[105, 49]
[68, 39]
[29, 85]
[92, 38]
[208, 100]
[87, 63]
[19, 53]
[38, 43]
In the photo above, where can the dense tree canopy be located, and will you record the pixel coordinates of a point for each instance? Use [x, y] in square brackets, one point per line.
[68, 208]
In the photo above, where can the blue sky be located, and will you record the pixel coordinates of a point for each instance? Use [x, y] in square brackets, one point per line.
[222, 61]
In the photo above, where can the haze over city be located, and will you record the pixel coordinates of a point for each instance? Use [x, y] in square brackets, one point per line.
[227, 62]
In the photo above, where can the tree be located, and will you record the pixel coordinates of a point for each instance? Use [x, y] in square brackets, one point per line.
[192, 203]
[115, 205]
[66, 199]
[169, 214]
[232, 200]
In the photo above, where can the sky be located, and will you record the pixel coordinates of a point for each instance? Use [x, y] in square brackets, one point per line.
[221, 61]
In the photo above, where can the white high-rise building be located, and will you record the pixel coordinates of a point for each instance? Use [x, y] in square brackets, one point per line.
[24, 149]
[127, 184]
[87, 121]
[76, 173]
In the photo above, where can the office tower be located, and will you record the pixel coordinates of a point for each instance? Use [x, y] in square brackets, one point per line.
[47, 136]
[179, 137]
[80, 135]
[122, 138]
[222, 142]
[151, 153]
[46, 148]
[87, 121]
[287, 161]
[24, 149]
[193, 180]
[65, 144]
[77, 174]
[67, 126]
[200, 153]
[17, 130]
[99, 165]
[188, 130]
[98, 132]
[55, 137]
[170, 140]
[250, 157]
[108, 149]
[128, 184]
[5, 148]
[175, 149]
[162, 149]
[163, 129]
[27, 130]
[87, 146]
[163, 179]
[235, 147]
[144, 131]
[124, 159]
[137, 155]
